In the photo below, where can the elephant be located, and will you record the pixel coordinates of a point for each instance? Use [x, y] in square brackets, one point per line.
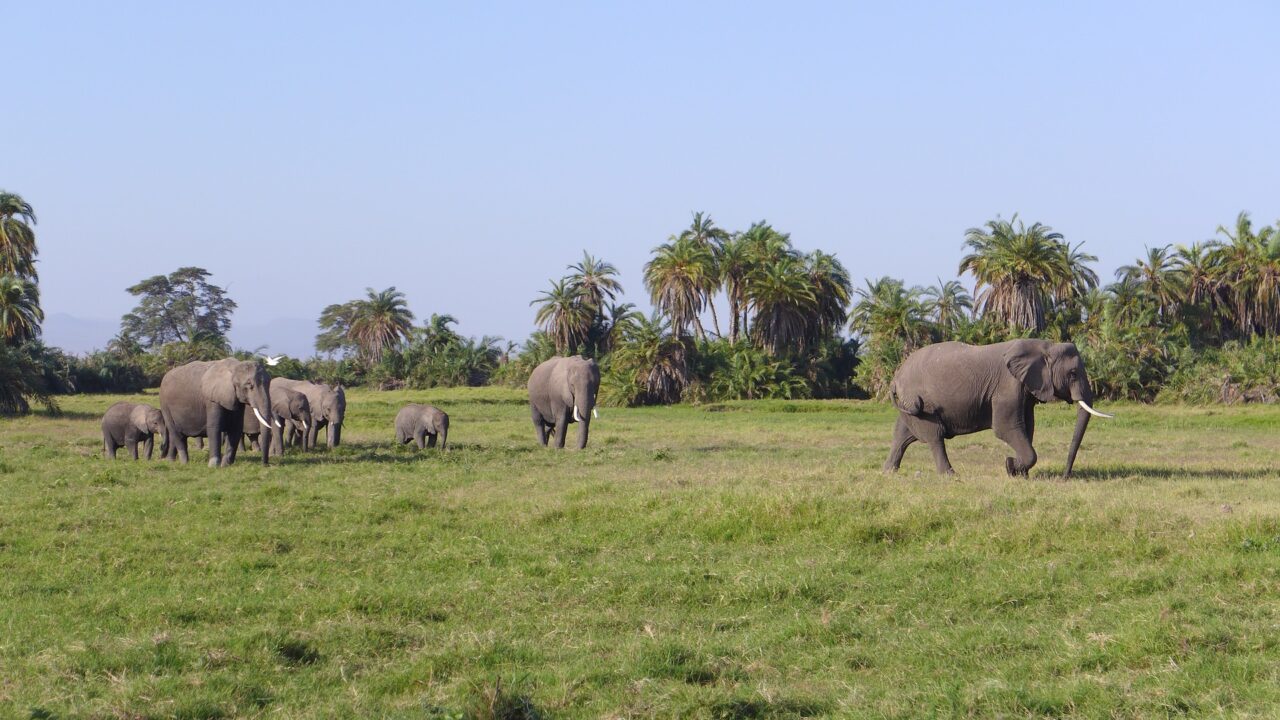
[288, 408]
[126, 424]
[563, 390]
[328, 408]
[209, 399]
[422, 423]
[951, 389]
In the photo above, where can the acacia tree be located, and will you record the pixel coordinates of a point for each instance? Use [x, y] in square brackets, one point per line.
[178, 307]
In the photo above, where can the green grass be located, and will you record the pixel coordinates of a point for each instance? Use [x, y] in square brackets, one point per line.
[739, 560]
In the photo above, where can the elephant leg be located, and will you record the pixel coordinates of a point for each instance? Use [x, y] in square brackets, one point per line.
[420, 438]
[132, 446]
[540, 428]
[200, 443]
[148, 444]
[235, 432]
[431, 439]
[214, 426]
[108, 447]
[902, 437]
[562, 428]
[1017, 439]
[930, 433]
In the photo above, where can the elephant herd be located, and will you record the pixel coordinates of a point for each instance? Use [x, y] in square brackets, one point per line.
[235, 401]
[940, 391]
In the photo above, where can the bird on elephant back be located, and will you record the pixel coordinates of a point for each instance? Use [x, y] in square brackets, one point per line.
[209, 398]
[952, 388]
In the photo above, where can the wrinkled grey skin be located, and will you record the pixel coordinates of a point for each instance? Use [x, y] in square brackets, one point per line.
[288, 408]
[125, 424]
[209, 398]
[423, 424]
[951, 389]
[555, 388]
[328, 408]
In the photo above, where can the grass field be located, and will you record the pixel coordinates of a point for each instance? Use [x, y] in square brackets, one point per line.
[744, 560]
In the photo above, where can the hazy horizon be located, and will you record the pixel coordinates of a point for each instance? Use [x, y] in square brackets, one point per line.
[467, 154]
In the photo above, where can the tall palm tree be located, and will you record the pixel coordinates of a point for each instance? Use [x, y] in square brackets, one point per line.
[703, 231]
[832, 291]
[381, 320]
[735, 263]
[563, 316]
[1157, 276]
[1019, 270]
[677, 278]
[783, 298]
[20, 313]
[17, 239]
[1248, 265]
[763, 246]
[596, 281]
[947, 304]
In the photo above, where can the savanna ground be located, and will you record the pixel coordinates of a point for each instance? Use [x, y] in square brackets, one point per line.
[741, 560]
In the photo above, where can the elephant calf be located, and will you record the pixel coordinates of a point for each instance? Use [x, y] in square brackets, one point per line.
[951, 389]
[423, 424]
[126, 424]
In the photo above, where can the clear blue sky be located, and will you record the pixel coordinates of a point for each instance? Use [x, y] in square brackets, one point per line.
[467, 152]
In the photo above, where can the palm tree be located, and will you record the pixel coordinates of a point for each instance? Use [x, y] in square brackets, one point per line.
[17, 239]
[762, 246]
[677, 278]
[1248, 265]
[734, 261]
[1201, 300]
[381, 320]
[20, 313]
[595, 281]
[886, 310]
[563, 316]
[832, 291]
[785, 303]
[653, 358]
[947, 304]
[1019, 270]
[1157, 276]
[703, 231]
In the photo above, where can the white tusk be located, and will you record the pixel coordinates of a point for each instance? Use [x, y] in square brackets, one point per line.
[576, 416]
[278, 425]
[1085, 405]
[304, 425]
[261, 419]
[594, 414]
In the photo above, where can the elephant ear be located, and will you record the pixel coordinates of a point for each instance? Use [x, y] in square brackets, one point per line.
[1030, 365]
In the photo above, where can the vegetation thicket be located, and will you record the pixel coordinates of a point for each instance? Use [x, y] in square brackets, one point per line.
[737, 315]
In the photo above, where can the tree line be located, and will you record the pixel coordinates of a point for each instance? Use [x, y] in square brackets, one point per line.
[737, 315]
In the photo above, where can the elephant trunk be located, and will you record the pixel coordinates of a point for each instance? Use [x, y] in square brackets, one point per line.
[1082, 424]
[335, 435]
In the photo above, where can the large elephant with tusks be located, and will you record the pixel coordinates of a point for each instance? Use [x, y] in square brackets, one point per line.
[208, 399]
[951, 389]
[563, 390]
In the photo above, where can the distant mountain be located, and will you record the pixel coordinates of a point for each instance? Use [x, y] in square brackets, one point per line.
[291, 336]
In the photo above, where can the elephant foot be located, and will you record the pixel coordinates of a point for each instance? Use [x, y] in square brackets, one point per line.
[215, 462]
